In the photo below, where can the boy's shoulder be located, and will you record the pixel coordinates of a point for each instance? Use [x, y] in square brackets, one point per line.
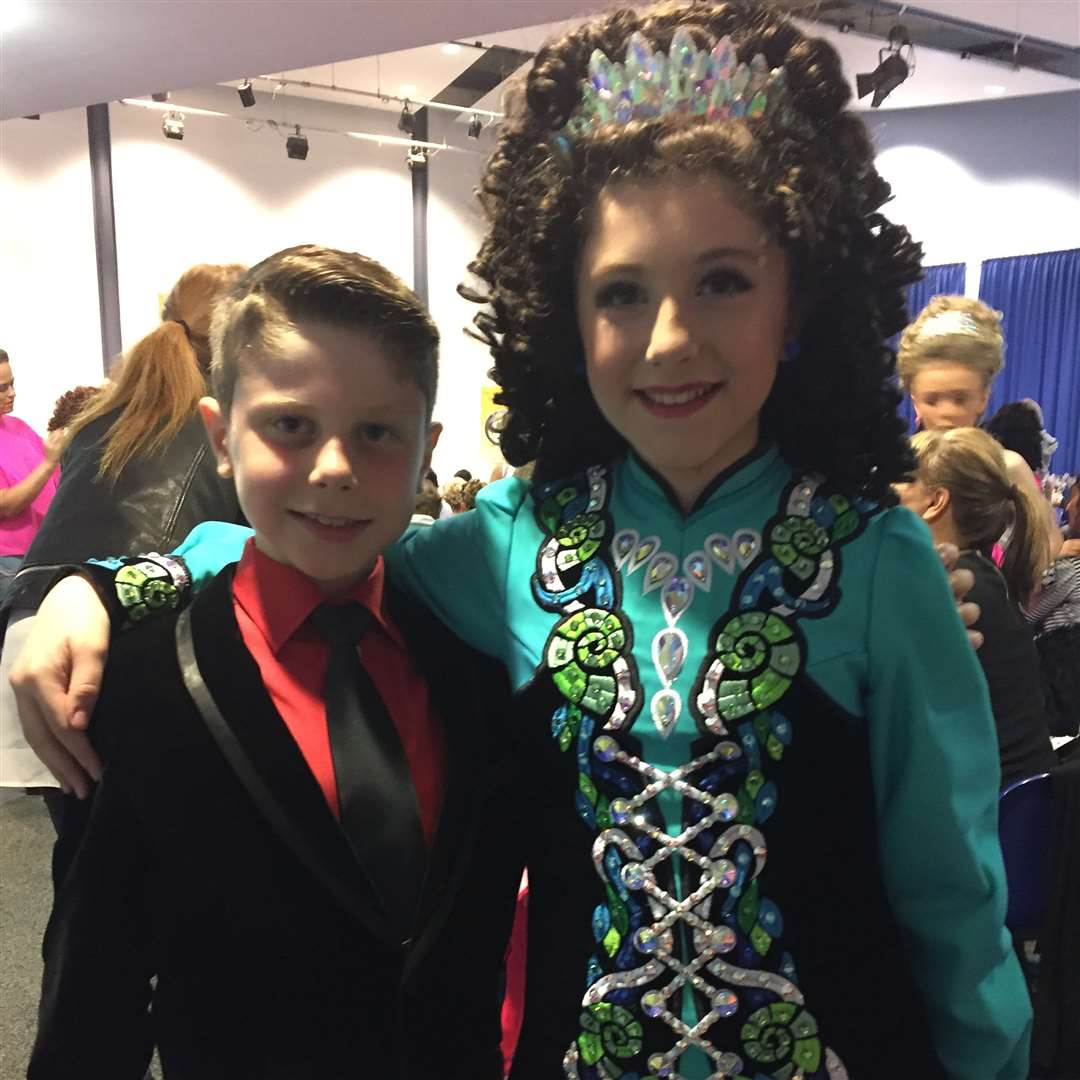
[144, 672]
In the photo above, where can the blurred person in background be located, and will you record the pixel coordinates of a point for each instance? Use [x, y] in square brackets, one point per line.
[947, 361]
[1054, 613]
[27, 478]
[1018, 426]
[137, 475]
[963, 492]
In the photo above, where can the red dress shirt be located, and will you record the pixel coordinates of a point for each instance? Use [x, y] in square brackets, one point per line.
[272, 603]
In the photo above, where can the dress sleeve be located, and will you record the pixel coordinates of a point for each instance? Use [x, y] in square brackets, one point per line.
[936, 775]
[137, 587]
[458, 566]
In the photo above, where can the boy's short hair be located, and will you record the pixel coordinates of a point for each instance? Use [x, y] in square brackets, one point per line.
[318, 284]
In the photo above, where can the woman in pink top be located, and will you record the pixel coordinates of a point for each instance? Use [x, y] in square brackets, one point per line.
[27, 476]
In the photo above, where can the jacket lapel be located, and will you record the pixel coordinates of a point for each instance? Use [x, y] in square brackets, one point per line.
[224, 683]
[451, 671]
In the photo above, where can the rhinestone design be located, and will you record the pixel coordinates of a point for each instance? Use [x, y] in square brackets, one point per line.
[745, 984]
[696, 82]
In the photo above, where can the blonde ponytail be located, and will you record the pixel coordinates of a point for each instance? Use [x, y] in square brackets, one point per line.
[162, 377]
[1027, 553]
[970, 465]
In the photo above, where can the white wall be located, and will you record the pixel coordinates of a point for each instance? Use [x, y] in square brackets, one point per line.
[971, 182]
[49, 321]
[455, 229]
[229, 194]
[987, 179]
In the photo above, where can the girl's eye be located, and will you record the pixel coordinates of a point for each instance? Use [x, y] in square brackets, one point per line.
[618, 294]
[724, 283]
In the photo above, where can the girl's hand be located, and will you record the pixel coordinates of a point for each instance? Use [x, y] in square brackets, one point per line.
[57, 679]
[962, 582]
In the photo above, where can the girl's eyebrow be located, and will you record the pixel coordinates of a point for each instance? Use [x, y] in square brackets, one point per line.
[712, 255]
[727, 253]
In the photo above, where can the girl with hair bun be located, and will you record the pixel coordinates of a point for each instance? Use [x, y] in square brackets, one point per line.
[963, 492]
[948, 360]
[765, 787]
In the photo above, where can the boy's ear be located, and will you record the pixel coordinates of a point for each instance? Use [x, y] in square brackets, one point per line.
[217, 429]
[434, 431]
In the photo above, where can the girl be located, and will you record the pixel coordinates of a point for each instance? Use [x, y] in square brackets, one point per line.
[763, 758]
[137, 475]
[948, 360]
[963, 492]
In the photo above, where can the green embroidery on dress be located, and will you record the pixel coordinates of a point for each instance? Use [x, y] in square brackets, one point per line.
[757, 653]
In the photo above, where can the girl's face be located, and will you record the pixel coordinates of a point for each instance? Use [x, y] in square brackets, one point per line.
[948, 395]
[683, 309]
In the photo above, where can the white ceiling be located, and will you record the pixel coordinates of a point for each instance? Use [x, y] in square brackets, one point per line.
[75, 52]
[1051, 20]
[940, 78]
[65, 53]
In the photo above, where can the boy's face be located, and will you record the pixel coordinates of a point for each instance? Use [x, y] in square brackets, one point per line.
[327, 444]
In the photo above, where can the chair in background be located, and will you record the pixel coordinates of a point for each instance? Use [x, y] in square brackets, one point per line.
[1026, 826]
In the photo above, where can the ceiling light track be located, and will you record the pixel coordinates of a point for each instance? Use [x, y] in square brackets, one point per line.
[415, 102]
[382, 140]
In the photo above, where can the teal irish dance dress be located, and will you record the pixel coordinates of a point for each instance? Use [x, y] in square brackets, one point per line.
[764, 778]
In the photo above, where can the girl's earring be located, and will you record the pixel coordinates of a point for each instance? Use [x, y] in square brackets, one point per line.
[791, 351]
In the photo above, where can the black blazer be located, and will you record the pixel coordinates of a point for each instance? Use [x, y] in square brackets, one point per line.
[1010, 663]
[208, 859]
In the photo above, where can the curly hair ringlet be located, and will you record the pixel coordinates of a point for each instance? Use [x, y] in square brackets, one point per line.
[815, 189]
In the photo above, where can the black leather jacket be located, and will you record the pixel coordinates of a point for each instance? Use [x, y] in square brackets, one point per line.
[154, 503]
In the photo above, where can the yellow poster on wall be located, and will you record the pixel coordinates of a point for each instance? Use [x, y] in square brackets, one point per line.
[488, 408]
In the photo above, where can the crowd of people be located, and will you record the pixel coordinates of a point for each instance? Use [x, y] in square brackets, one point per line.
[306, 716]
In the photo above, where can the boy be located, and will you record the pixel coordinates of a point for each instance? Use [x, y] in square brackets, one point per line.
[285, 943]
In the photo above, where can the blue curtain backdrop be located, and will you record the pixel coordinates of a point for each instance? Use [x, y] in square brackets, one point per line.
[944, 280]
[1039, 296]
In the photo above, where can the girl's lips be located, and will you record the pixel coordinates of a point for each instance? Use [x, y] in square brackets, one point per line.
[672, 402]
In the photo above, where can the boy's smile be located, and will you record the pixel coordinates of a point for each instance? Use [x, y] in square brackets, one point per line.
[327, 442]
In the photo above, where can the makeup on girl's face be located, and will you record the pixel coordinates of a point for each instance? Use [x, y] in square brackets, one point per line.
[683, 311]
[948, 395]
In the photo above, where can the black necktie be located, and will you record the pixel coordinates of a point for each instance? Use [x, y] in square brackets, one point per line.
[379, 810]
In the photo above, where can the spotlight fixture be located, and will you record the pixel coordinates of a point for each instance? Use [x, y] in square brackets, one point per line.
[161, 95]
[406, 122]
[172, 125]
[894, 66]
[247, 94]
[475, 127]
[296, 146]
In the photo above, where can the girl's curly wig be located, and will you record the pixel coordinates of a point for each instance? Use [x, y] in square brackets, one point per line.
[982, 349]
[815, 188]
